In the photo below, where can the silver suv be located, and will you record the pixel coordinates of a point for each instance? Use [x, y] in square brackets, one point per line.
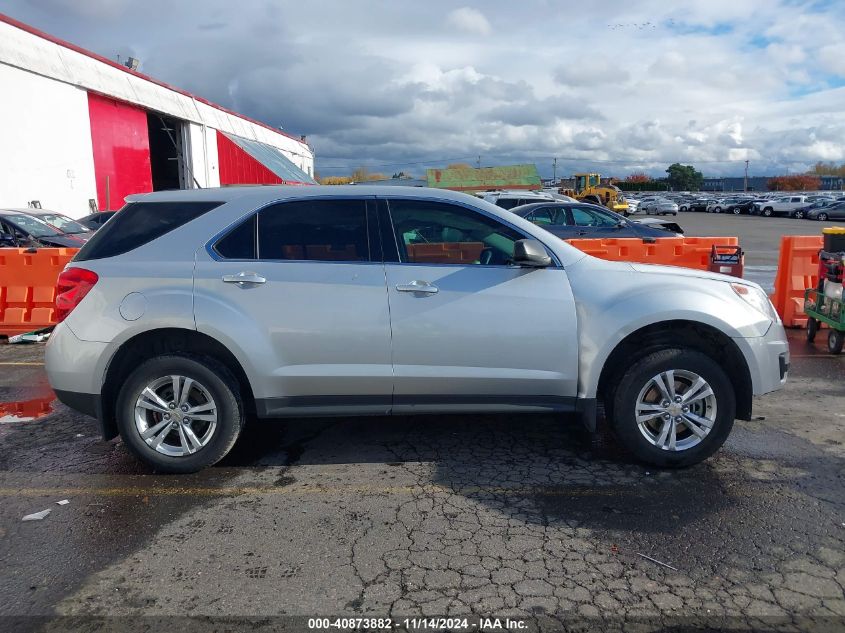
[192, 311]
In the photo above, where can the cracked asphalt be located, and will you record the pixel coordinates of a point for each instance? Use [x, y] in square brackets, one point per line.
[520, 516]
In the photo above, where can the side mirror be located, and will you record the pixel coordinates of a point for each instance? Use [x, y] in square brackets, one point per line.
[7, 239]
[530, 253]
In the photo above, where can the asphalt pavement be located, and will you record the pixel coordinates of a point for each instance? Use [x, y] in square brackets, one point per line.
[525, 517]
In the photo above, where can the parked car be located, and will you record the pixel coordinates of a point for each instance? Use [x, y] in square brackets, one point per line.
[660, 207]
[586, 221]
[727, 205]
[835, 211]
[96, 220]
[62, 223]
[295, 301]
[701, 204]
[780, 206]
[511, 199]
[738, 207]
[19, 228]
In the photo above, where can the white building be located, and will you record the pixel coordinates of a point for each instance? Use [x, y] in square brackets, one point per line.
[79, 132]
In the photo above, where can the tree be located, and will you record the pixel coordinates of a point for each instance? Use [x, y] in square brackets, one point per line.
[637, 177]
[798, 182]
[362, 174]
[334, 180]
[684, 177]
[828, 169]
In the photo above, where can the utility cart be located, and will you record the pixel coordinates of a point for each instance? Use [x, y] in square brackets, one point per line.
[824, 304]
[820, 308]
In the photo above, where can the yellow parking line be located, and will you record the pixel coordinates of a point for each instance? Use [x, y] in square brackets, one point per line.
[24, 364]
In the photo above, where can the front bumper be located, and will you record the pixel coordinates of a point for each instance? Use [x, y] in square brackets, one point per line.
[768, 359]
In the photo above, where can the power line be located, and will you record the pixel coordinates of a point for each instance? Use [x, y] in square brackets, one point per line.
[583, 159]
[399, 164]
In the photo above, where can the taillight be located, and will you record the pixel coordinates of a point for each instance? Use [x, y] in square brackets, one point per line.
[71, 287]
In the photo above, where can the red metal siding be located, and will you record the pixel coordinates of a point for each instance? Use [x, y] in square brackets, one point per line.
[239, 168]
[121, 150]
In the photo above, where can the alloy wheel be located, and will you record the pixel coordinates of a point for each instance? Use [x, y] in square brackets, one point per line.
[676, 409]
[175, 415]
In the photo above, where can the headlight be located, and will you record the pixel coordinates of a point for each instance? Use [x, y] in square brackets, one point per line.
[757, 299]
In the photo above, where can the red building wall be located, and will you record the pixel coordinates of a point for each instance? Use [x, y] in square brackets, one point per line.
[239, 168]
[121, 150]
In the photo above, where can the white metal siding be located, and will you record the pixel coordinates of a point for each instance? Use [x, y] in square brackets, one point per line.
[45, 144]
[203, 155]
[35, 54]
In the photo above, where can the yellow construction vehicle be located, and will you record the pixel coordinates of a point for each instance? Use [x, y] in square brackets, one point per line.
[588, 188]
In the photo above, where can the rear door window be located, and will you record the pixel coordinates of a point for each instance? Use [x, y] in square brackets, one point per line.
[139, 223]
[314, 230]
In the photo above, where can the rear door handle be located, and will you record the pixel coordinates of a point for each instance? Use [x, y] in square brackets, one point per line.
[243, 278]
[418, 286]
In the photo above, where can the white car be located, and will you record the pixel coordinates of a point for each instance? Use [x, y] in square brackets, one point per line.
[508, 199]
[780, 206]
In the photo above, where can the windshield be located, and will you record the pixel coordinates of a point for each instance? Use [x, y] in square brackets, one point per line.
[31, 225]
[62, 222]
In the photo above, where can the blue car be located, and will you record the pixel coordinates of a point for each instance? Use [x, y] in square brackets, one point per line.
[568, 221]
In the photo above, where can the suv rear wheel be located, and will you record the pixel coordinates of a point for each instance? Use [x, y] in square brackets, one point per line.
[673, 408]
[179, 414]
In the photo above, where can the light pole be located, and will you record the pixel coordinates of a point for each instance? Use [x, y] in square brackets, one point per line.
[554, 171]
[745, 186]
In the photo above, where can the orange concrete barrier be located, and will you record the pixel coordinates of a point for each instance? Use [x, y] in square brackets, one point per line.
[28, 287]
[688, 252]
[798, 269]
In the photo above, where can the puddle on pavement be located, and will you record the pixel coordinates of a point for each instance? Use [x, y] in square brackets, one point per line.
[26, 410]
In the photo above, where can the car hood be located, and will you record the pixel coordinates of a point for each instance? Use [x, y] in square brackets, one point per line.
[677, 271]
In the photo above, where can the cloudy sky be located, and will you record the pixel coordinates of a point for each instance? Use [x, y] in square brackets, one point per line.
[627, 85]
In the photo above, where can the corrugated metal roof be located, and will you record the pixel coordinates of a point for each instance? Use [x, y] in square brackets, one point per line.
[471, 179]
[273, 159]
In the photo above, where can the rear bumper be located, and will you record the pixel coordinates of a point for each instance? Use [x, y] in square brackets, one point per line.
[75, 371]
[87, 403]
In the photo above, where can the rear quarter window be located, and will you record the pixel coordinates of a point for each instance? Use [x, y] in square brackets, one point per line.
[140, 223]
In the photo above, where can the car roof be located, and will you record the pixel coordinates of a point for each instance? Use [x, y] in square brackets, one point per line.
[277, 192]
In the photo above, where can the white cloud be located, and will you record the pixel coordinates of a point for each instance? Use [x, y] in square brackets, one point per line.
[469, 20]
[832, 58]
[710, 84]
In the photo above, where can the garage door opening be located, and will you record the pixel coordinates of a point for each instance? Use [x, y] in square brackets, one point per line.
[166, 152]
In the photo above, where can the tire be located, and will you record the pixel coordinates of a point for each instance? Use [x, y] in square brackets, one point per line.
[637, 384]
[717, 210]
[821, 217]
[767, 212]
[682, 208]
[835, 340]
[737, 211]
[798, 215]
[214, 394]
[812, 329]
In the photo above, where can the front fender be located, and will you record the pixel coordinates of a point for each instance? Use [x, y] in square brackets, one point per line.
[614, 300]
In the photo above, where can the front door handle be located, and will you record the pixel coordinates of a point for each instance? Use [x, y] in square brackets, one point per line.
[243, 278]
[418, 286]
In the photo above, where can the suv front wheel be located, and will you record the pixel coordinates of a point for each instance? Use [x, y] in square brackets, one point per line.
[179, 413]
[673, 408]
